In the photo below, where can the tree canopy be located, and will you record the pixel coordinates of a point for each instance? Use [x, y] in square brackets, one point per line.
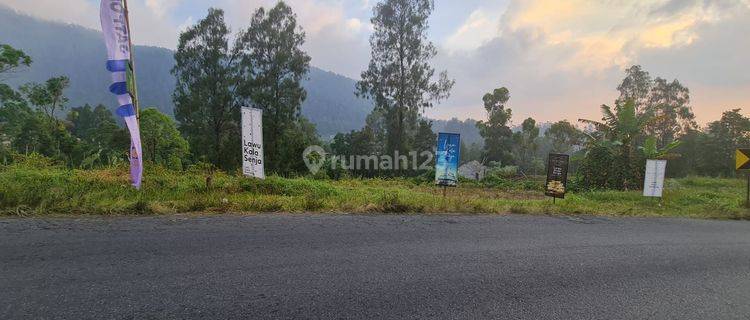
[162, 142]
[399, 77]
[271, 67]
[206, 104]
[496, 130]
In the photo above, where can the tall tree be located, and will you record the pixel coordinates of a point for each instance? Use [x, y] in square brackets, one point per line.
[563, 136]
[367, 141]
[732, 131]
[425, 139]
[670, 101]
[102, 140]
[48, 97]
[206, 105]
[526, 144]
[495, 131]
[92, 124]
[162, 143]
[39, 130]
[636, 87]
[694, 149]
[399, 77]
[12, 106]
[11, 59]
[272, 65]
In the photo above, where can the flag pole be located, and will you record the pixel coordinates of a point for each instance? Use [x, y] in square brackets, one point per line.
[134, 94]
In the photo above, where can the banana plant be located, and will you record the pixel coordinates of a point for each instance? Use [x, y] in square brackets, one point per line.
[622, 123]
[651, 150]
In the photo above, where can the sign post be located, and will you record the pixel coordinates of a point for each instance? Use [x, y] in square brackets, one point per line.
[742, 160]
[653, 184]
[252, 143]
[446, 160]
[557, 176]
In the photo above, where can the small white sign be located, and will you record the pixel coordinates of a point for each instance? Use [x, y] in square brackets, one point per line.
[252, 143]
[654, 179]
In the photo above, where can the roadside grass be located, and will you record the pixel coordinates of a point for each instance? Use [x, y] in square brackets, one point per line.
[41, 189]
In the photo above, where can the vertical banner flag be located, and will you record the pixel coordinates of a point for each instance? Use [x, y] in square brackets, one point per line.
[447, 158]
[117, 37]
[252, 143]
[557, 175]
[653, 185]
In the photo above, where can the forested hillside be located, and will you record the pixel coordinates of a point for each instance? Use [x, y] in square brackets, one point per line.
[63, 49]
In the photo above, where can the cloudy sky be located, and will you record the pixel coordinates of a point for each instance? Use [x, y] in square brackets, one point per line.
[560, 59]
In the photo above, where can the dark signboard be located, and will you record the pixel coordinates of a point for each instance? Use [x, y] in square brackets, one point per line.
[557, 176]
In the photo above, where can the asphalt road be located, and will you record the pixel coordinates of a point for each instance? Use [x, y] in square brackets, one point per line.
[373, 267]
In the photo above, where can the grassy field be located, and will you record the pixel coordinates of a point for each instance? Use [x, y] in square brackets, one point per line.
[40, 189]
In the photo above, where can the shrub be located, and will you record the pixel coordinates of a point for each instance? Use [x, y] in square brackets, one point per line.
[312, 202]
[34, 161]
[391, 202]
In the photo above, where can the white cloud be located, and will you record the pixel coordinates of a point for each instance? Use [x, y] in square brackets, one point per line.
[161, 7]
[187, 24]
[148, 26]
[610, 33]
[335, 41]
[481, 27]
[368, 4]
[354, 25]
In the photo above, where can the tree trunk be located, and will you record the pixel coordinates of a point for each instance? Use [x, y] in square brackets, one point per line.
[217, 145]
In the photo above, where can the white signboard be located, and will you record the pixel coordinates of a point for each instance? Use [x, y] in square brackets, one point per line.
[654, 179]
[252, 143]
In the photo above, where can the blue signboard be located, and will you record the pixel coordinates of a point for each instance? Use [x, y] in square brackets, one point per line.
[447, 158]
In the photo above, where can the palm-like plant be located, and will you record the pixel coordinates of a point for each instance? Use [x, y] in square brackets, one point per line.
[652, 151]
[623, 124]
[620, 129]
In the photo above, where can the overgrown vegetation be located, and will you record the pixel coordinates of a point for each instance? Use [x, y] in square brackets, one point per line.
[33, 185]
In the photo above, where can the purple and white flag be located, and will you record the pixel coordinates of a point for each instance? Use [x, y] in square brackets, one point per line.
[117, 38]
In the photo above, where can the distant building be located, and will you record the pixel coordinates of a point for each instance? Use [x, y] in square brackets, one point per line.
[473, 170]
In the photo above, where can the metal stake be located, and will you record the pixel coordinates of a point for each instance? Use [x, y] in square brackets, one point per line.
[136, 102]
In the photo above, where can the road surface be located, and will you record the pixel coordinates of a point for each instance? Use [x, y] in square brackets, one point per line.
[373, 267]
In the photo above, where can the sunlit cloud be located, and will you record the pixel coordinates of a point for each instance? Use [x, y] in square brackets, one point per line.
[609, 33]
[162, 7]
[479, 28]
[559, 58]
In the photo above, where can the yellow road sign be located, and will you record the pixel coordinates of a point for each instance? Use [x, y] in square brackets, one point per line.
[743, 159]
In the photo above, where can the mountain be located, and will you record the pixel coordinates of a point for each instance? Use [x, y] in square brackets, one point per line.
[79, 53]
